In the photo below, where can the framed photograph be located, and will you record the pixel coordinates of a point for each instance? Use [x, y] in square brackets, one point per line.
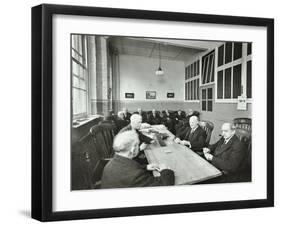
[150, 94]
[170, 95]
[130, 95]
[87, 159]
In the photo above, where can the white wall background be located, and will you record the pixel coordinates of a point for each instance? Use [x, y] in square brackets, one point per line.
[16, 120]
[137, 75]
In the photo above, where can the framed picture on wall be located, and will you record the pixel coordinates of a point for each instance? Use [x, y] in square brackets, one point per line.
[150, 94]
[130, 95]
[83, 63]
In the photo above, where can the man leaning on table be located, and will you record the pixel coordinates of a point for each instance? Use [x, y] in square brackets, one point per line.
[227, 154]
[122, 171]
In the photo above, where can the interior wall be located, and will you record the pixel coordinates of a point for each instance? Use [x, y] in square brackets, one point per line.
[137, 75]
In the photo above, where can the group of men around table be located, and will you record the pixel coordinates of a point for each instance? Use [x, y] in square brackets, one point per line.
[129, 167]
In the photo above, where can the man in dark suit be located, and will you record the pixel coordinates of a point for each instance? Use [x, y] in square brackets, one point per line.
[228, 154]
[143, 115]
[127, 115]
[120, 121]
[154, 118]
[194, 136]
[123, 172]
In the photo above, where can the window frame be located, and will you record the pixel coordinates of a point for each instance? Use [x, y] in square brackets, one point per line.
[243, 61]
[189, 79]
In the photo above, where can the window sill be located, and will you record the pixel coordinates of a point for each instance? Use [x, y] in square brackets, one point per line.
[80, 122]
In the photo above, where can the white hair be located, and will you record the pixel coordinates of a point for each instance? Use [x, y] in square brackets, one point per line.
[120, 114]
[124, 141]
[135, 117]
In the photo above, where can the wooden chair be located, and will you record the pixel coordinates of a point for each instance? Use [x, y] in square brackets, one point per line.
[208, 127]
[243, 123]
[246, 167]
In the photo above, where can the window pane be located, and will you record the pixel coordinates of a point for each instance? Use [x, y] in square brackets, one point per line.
[228, 52]
[210, 68]
[189, 96]
[249, 49]
[185, 89]
[237, 50]
[198, 67]
[197, 89]
[220, 55]
[188, 72]
[192, 71]
[204, 96]
[192, 90]
[227, 83]
[210, 93]
[237, 81]
[249, 79]
[210, 105]
[185, 72]
[204, 105]
[220, 85]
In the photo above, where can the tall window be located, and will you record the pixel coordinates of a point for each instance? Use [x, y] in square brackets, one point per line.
[192, 81]
[79, 76]
[207, 75]
[207, 99]
[229, 71]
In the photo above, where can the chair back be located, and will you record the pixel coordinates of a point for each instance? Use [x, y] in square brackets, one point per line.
[102, 136]
[243, 123]
[245, 137]
[208, 127]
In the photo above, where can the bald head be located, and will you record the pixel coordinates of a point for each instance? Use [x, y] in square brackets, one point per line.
[120, 114]
[193, 122]
[136, 120]
[126, 143]
[228, 130]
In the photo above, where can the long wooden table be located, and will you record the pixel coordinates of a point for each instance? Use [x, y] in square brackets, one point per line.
[188, 166]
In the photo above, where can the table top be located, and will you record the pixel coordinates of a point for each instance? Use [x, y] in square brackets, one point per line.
[188, 166]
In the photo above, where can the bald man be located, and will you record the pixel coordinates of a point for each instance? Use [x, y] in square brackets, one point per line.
[123, 172]
[193, 137]
[228, 154]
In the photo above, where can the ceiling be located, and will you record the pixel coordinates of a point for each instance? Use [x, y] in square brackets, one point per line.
[170, 49]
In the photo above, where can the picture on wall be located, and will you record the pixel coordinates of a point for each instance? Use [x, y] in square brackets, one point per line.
[150, 94]
[170, 95]
[130, 95]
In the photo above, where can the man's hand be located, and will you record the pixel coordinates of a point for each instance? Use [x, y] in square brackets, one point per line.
[186, 143]
[177, 140]
[143, 146]
[163, 166]
[208, 156]
[153, 166]
[206, 150]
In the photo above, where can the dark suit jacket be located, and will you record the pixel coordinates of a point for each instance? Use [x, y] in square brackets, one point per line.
[228, 157]
[122, 172]
[154, 120]
[120, 124]
[197, 139]
[127, 116]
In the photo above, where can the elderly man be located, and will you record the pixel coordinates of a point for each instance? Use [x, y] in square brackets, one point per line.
[154, 118]
[194, 136]
[227, 154]
[127, 114]
[123, 172]
[143, 115]
[120, 121]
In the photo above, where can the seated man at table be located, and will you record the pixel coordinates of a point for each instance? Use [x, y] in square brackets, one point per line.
[123, 172]
[154, 118]
[193, 137]
[120, 121]
[135, 125]
[142, 114]
[127, 114]
[228, 154]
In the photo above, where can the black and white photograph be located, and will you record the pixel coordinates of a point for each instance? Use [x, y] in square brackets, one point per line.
[152, 112]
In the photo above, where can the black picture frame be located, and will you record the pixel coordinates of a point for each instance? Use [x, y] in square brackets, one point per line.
[42, 107]
[170, 95]
[130, 95]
